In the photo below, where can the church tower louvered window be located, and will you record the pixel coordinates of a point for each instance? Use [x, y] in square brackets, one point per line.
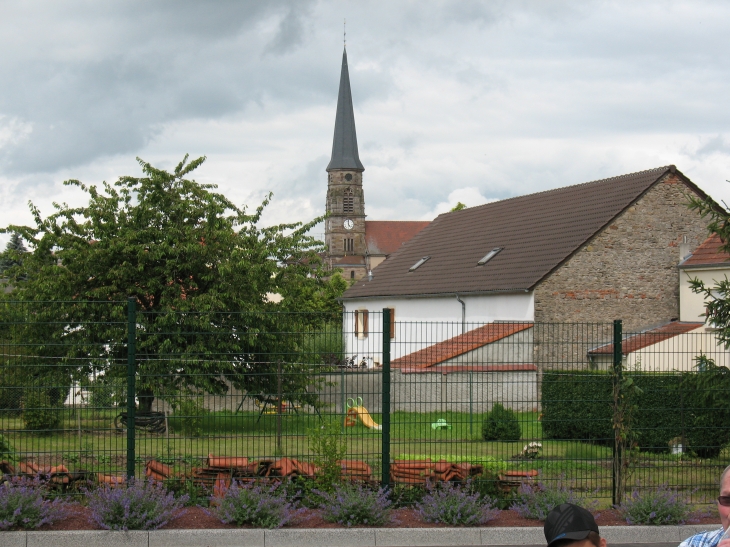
[348, 201]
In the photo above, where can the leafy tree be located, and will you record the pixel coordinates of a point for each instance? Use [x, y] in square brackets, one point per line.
[199, 269]
[712, 381]
[458, 207]
[717, 298]
[13, 255]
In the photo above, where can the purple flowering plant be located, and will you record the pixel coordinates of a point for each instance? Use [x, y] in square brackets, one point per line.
[138, 505]
[255, 504]
[450, 503]
[535, 501]
[355, 504]
[657, 506]
[22, 505]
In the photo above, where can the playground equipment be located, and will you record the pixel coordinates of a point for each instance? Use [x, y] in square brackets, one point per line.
[355, 410]
[440, 424]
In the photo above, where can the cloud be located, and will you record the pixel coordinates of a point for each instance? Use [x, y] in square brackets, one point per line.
[713, 145]
[469, 196]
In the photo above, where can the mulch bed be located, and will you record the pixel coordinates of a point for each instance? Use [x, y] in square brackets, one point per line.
[197, 518]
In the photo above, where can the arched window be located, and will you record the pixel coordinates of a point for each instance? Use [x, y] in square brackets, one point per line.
[348, 201]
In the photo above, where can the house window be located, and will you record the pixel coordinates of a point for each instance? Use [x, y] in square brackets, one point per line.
[352, 274]
[349, 245]
[418, 264]
[361, 323]
[489, 256]
[348, 202]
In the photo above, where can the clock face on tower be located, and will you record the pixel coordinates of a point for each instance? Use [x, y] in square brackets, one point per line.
[348, 224]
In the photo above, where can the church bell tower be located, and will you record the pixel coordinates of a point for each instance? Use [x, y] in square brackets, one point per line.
[345, 224]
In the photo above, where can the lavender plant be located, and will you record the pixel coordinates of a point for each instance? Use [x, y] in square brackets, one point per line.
[257, 505]
[22, 505]
[535, 501]
[448, 503]
[656, 506]
[138, 505]
[354, 504]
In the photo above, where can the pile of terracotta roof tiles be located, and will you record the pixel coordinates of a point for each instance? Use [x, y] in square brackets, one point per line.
[58, 475]
[221, 470]
[421, 471]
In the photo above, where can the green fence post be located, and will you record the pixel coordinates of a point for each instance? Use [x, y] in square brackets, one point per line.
[385, 476]
[616, 469]
[131, 394]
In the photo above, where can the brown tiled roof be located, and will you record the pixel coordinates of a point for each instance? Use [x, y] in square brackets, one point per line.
[384, 237]
[646, 339]
[501, 367]
[708, 254]
[458, 345]
[537, 233]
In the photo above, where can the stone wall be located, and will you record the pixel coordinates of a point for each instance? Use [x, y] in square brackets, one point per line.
[627, 271]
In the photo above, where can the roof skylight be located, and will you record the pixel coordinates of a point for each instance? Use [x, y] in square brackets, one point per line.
[418, 264]
[489, 256]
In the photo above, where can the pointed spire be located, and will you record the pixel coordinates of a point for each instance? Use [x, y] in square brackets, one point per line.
[344, 144]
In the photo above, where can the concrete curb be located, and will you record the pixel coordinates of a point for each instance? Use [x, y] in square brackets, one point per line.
[334, 537]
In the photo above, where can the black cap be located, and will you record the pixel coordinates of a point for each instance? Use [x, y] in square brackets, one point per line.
[568, 521]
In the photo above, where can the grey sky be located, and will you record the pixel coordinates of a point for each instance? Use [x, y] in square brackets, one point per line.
[454, 100]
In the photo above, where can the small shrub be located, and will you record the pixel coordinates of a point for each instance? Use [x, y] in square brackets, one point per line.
[406, 495]
[22, 505]
[329, 446]
[501, 424]
[656, 506]
[259, 505]
[531, 451]
[139, 505]
[535, 501]
[189, 413]
[352, 505]
[448, 503]
[7, 452]
[41, 412]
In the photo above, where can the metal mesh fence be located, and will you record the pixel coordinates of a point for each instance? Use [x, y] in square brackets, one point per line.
[216, 394]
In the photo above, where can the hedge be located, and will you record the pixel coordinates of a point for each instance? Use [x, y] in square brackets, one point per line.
[577, 405]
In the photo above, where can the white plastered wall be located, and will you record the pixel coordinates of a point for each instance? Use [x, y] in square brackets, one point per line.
[691, 305]
[421, 322]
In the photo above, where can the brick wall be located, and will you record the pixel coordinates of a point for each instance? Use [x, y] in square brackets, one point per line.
[628, 270]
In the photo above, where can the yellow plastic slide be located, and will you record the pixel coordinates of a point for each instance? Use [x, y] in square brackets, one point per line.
[355, 408]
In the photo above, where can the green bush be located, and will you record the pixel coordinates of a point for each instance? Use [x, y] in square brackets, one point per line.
[577, 405]
[11, 390]
[41, 411]
[501, 424]
[189, 416]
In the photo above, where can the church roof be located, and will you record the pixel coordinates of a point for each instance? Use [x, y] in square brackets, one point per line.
[534, 234]
[384, 237]
[344, 144]
[707, 254]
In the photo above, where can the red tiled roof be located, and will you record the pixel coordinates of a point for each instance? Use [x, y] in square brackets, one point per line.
[458, 345]
[645, 339]
[708, 253]
[502, 367]
[384, 237]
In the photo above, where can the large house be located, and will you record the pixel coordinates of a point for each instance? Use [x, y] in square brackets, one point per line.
[589, 253]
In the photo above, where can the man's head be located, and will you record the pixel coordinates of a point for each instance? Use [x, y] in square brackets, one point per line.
[570, 524]
[724, 510]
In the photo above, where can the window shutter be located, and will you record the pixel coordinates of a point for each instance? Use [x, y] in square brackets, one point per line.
[392, 322]
[357, 323]
[365, 322]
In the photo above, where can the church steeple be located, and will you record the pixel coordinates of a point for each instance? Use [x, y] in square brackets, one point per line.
[344, 144]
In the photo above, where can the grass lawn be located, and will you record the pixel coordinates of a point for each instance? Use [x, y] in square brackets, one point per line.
[91, 442]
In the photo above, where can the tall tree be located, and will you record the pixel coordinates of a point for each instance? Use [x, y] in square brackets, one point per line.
[201, 271]
[14, 251]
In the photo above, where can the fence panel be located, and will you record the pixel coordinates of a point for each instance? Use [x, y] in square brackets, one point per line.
[62, 379]
[243, 394]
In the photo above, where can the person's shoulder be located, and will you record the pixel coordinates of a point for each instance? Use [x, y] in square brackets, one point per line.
[703, 539]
